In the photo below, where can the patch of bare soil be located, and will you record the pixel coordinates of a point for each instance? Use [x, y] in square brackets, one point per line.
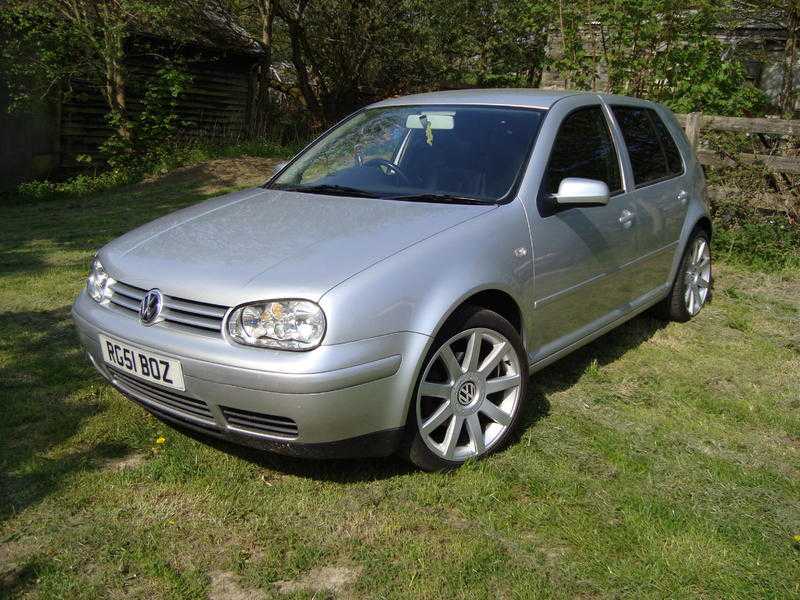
[323, 579]
[227, 586]
[131, 461]
[12, 556]
[214, 175]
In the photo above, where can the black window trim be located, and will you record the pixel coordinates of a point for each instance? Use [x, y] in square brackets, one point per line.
[648, 111]
[543, 193]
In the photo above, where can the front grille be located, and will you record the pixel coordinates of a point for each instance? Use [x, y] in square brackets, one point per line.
[162, 397]
[259, 422]
[177, 312]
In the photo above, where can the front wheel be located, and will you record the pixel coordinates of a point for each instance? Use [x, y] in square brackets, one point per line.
[470, 393]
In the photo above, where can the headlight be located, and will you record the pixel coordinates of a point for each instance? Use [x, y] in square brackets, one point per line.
[97, 284]
[283, 324]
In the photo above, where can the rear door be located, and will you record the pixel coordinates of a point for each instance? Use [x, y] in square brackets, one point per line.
[660, 194]
[580, 253]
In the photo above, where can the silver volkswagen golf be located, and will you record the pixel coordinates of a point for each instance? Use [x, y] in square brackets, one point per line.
[393, 286]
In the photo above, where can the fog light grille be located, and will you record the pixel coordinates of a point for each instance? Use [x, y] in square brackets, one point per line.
[162, 397]
[259, 422]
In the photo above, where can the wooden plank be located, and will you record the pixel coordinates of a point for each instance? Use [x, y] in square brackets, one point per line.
[781, 164]
[744, 124]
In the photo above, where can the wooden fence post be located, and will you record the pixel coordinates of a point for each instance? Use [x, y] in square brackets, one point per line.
[693, 121]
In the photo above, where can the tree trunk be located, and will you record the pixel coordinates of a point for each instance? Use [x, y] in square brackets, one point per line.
[261, 107]
[303, 91]
[309, 97]
[788, 91]
[113, 53]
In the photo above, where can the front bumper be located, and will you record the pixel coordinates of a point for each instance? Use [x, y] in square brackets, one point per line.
[335, 401]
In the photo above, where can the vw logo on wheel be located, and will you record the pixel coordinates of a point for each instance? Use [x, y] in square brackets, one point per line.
[150, 307]
[466, 393]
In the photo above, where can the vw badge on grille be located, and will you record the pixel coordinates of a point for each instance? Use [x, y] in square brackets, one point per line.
[150, 307]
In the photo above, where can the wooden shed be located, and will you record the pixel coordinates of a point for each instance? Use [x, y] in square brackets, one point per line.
[47, 141]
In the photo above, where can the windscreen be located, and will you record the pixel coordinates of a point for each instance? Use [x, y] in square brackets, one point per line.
[473, 152]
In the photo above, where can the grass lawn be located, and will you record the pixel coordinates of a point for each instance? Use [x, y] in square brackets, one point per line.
[660, 461]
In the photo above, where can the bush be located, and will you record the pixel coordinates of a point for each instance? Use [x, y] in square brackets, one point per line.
[751, 229]
[762, 243]
[164, 159]
[80, 185]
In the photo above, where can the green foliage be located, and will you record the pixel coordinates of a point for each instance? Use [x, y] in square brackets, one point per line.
[661, 50]
[710, 82]
[149, 136]
[763, 243]
[80, 185]
[158, 121]
[752, 229]
[38, 53]
[168, 158]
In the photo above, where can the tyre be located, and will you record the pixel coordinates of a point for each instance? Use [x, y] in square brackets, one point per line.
[692, 286]
[470, 392]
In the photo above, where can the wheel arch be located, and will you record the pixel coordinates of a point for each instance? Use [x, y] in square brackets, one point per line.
[704, 223]
[491, 297]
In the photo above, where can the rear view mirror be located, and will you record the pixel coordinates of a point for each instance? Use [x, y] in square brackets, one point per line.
[579, 191]
[435, 120]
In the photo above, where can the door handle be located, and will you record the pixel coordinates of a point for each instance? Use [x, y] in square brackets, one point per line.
[683, 196]
[626, 218]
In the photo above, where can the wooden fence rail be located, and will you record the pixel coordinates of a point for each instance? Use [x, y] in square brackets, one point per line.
[784, 201]
[695, 123]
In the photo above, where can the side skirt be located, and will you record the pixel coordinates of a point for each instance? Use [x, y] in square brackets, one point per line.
[635, 311]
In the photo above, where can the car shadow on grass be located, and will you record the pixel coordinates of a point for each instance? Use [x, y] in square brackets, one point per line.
[566, 372]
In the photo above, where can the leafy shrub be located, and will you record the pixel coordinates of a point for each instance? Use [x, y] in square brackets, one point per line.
[751, 229]
[81, 185]
[148, 137]
[169, 157]
[764, 244]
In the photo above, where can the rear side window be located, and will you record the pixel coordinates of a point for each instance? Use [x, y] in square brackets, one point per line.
[653, 153]
[583, 148]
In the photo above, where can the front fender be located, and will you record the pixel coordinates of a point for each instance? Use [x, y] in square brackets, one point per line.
[418, 288]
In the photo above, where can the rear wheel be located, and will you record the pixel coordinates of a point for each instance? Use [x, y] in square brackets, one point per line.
[692, 286]
[470, 392]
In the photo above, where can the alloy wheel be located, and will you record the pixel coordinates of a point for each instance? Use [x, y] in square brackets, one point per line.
[697, 276]
[469, 394]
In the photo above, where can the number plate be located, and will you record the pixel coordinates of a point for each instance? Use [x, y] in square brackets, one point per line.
[144, 365]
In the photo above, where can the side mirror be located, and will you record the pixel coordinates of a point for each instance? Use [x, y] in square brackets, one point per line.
[582, 192]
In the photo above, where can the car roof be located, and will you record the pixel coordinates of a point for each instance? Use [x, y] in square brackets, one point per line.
[522, 97]
[517, 97]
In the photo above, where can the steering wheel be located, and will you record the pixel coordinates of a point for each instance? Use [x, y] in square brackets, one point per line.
[390, 167]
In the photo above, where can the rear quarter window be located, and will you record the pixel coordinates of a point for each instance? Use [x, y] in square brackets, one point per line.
[652, 150]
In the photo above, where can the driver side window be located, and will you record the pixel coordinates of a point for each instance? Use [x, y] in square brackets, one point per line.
[583, 148]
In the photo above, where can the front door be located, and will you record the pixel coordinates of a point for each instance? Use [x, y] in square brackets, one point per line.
[580, 253]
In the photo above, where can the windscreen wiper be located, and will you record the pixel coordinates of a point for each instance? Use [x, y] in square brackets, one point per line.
[441, 198]
[331, 190]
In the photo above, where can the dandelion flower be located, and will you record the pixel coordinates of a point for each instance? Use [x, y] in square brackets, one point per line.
[161, 439]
